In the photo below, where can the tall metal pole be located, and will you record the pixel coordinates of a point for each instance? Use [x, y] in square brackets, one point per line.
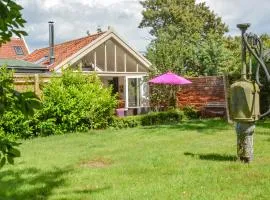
[243, 28]
[51, 42]
[244, 130]
[245, 97]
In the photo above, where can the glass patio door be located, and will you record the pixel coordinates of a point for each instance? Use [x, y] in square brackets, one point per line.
[133, 89]
[136, 92]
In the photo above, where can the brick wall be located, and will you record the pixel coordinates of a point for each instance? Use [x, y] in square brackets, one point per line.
[206, 94]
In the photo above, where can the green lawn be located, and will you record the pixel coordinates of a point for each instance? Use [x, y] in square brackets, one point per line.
[192, 160]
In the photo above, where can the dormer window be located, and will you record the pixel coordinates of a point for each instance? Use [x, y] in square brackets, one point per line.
[18, 50]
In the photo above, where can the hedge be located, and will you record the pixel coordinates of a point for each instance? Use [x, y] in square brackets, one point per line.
[150, 119]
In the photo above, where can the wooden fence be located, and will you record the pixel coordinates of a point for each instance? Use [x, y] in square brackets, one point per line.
[31, 82]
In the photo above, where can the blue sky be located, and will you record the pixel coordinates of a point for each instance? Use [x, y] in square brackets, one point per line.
[74, 17]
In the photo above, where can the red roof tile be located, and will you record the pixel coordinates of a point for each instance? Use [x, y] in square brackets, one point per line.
[7, 50]
[61, 51]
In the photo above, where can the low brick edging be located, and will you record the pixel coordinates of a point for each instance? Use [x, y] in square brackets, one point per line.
[207, 94]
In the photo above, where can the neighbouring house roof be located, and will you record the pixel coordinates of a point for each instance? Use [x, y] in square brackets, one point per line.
[22, 66]
[16, 48]
[61, 51]
[69, 52]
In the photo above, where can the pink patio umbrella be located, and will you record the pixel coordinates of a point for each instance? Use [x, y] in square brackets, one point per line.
[169, 78]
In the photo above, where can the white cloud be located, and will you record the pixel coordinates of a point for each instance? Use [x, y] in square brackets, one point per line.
[74, 17]
[234, 12]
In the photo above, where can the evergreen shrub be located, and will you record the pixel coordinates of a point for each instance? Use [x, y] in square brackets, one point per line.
[157, 118]
[125, 122]
[74, 102]
[191, 112]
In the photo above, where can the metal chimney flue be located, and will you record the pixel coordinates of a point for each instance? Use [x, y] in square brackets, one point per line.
[51, 42]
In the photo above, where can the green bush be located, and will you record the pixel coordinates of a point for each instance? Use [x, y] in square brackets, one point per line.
[74, 102]
[125, 122]
[156, 118]
[8, 148]
[191, 112]
[13, 122]
[153, 118]
[15, 107]
[45, 127]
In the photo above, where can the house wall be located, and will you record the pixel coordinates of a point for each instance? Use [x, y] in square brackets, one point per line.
[207, 94]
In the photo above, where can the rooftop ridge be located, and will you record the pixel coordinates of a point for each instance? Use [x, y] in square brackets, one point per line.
[70, 41]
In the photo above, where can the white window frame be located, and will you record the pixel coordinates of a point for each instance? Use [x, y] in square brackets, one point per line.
[126, 91]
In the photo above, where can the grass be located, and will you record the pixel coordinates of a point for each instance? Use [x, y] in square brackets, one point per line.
[192, 160]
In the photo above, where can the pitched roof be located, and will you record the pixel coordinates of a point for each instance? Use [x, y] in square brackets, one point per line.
[61, 51]
[7, 49]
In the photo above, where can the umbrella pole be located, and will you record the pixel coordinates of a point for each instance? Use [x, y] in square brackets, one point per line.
[172, 97]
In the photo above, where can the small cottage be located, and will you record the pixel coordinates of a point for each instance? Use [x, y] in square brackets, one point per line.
[107, 55]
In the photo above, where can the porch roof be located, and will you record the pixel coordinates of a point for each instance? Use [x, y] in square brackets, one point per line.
[22, 66]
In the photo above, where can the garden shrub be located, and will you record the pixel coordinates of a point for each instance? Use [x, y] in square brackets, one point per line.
[13, 122]
[156, 118]
[152, 118]
[8, 148]
[125, 122]
[15, 107]
[191, 112]
[162, 97]
[74, 102]
[44, 127]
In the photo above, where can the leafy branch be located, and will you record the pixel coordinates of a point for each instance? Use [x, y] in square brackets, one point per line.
[11, 21]
[11, 99]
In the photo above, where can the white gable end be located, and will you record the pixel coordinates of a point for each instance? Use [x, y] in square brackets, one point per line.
[109, 53]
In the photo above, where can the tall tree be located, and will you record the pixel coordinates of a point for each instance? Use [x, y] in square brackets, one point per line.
[184, 33]
[220, 55]
[233, 45]
[186, 14]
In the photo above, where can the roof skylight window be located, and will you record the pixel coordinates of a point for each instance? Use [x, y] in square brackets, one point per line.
[18, 50]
